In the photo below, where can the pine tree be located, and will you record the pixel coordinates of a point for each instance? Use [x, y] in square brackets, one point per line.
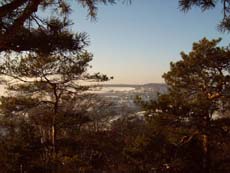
[23, 20]
[198, 90]
[45, 87]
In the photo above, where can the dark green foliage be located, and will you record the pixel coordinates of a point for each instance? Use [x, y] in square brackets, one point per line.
[20, 146]
[29, 24]
[154, 146]
[197, 99]
[200, 80]
[198, 85]
[47, 94]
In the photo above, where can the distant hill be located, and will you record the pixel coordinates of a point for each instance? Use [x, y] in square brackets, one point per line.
[153, 85]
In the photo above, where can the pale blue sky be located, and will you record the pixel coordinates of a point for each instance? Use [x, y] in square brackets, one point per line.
[135, 43]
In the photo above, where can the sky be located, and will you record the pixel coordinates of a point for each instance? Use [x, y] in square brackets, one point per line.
[135, 42]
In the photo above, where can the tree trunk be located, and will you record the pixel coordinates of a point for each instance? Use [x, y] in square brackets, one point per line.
[205, 143]
[53, 128]
[53, 140]
[206, 158]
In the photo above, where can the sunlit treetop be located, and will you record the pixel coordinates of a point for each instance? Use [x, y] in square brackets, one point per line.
[201, 79]
[198, 84]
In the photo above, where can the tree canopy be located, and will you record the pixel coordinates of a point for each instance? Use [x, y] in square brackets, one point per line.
[201, 79]
[21, 22]
[198, 95]
[47, 95]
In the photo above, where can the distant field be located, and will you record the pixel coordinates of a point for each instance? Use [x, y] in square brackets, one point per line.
[112, 89]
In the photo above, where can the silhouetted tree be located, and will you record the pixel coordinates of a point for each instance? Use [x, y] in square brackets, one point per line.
[198, 88]
[44, 84]
[24, 20]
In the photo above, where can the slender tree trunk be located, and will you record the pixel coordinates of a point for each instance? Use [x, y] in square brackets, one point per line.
[53, 136]
[21, 168]
[205, 143]
[53, 128]
[206, 159]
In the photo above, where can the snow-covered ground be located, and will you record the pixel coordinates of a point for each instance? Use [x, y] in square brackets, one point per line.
[3, 90]
[111, 89]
